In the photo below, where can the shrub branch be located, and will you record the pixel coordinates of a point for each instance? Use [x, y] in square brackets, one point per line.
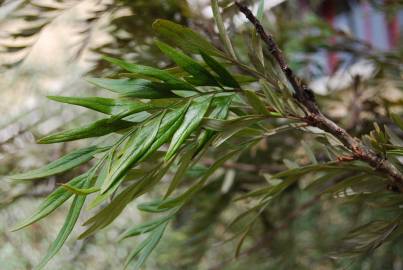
[315, 118]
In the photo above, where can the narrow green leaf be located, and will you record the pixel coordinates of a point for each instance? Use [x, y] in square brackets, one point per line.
[71, 220]
[323, 167]
[185, 38]
[221, 29]
[397, 120]
[139, 88]
[309, 152]
[159, 74]
[256, 40]
[201, 76]
[146, 247]
[96, 129]
[108, 214]
[105, 216]
[53, 201]
[136, 147]
[106, 105]
[170, 124]
[145, 227]
[191, 122]
[80, 191]
[138, 150]
[224, 76]
[170, 203]
[273, 98]
[185, 161]
[256, 102]
[224, 125]
[65, 163]
[220, 112]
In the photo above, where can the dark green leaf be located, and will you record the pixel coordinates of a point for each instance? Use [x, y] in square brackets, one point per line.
[136, 88]
[201, 76]
[184, 37]
[155, 73]
[137, 145]
[224, 76]
[96, 129]
[106, 105]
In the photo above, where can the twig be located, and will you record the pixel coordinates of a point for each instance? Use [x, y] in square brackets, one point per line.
[315, 118]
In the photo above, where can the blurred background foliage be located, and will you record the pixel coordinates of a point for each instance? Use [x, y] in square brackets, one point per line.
[48, 46]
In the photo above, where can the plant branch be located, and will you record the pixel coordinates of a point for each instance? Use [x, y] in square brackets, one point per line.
[315, 118]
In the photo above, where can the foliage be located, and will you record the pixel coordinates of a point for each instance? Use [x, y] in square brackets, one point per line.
[216, 102]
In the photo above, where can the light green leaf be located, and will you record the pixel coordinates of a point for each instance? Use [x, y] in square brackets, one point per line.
[81, 191]
[309, 152]
[220, 112]
[191, 122]
[65, 163]
[96, 129]
[221, 29]
[170, 124]
[137, 145]
[256, 40]
[273, 97]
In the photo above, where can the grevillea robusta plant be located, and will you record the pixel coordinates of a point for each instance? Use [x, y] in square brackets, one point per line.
[163, 122]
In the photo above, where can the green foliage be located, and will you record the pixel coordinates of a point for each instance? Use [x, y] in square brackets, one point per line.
[196, 108]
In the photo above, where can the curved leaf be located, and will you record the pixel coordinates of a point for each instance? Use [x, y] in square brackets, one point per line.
[138, 88]
[106, 105]
[224, 76]
[193, 117]
[155, 73]
[201, 76]
[65, 163]
[184, 37]
[96, 129]
[53, 201]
